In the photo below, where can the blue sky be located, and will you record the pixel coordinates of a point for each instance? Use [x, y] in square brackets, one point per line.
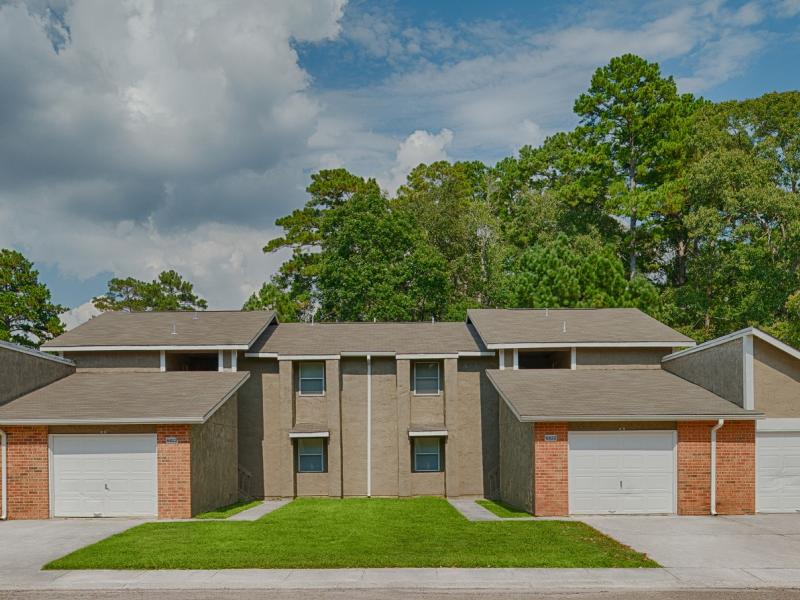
[171, 135]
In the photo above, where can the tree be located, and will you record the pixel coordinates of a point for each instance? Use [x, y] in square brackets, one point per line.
[169, 291]
[447, 203]
[627, 116]
[375, 264]
[577, 273]
[272, 297]
[27, 314]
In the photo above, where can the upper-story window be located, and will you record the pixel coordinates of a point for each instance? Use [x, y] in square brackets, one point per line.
[426, 378]
[312, 378]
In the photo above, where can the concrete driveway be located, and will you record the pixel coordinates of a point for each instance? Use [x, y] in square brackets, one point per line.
[28, 545]
[760, 545]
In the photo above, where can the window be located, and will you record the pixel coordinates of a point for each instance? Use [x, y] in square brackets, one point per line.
[427, 455]
[312, 379]
[311, 455]
[426, 378]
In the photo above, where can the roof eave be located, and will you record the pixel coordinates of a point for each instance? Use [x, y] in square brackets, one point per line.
[546, 345]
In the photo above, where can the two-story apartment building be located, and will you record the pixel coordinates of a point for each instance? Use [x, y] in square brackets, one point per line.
[555, 411]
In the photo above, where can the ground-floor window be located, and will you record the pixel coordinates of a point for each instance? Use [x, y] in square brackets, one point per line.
[427, 454]
[311, 455]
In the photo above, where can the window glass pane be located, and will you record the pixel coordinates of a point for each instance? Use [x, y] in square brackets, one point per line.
[310, 455]
[427, 462]
[426, 378]
[427, 369]
[427, 386]
[427, 445]
[426, 454]
[312, 370]
[310, 464]
[312, 386]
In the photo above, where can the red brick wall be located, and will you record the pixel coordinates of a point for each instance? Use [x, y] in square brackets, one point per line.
[694, 467]
[28, 473]
[550, 474]
[735, 468]
[174, 472]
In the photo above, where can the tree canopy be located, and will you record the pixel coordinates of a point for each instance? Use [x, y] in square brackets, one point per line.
[27, 314]
[169, 291]
[682, 207]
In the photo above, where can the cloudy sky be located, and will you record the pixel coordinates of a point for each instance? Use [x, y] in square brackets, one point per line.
[144, 135]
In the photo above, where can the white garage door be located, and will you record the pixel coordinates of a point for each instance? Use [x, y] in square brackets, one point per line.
[778, 472]
[103, 475]
[622, 472]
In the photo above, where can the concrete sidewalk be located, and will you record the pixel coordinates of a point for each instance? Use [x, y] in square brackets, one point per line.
[255, 513]
[550, 580]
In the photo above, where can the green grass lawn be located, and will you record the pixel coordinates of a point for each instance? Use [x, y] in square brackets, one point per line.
[501, 509]
[228, 511]
[323, 533]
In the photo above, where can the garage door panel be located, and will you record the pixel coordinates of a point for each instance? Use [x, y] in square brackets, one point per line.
[628, 472]
[104, 475]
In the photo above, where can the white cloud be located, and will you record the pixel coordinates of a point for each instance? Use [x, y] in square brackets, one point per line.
[419, 147]
[789, 8]
[78, 315]
[159, 135]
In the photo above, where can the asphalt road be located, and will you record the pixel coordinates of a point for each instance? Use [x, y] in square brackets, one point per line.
[397, 595]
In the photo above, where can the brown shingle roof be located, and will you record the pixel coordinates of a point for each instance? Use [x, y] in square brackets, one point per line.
[203, 328]
[400, 338]
[172, 397]
[608, 394]
[591, 325]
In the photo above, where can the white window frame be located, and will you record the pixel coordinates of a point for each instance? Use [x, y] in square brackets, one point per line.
[300, 378]
[438, 378]
[438, 454]
[322, 454]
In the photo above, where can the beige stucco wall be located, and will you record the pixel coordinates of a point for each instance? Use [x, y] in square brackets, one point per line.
[718, 369]
[776, 376]
[622, 358]
[516, 460]
[467, 407]
[215, 459]
[21, 373]
[258, 426]
[145, 361]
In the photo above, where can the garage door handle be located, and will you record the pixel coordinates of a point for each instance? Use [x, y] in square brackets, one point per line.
[620, 484]
[106, 487]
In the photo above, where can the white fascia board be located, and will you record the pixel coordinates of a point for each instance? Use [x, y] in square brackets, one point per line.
[145, 348]
[426, 356]
[126, 421]
[432, 433]
[261, 355]
[568, 418]
[36, 353]
[308, 357]
[227, 396]
[566, 345]
[768, 425]
[309, 434]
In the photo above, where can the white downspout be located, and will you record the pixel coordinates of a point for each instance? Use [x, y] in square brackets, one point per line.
[4, 468]
[369, 425]
[714, 430]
